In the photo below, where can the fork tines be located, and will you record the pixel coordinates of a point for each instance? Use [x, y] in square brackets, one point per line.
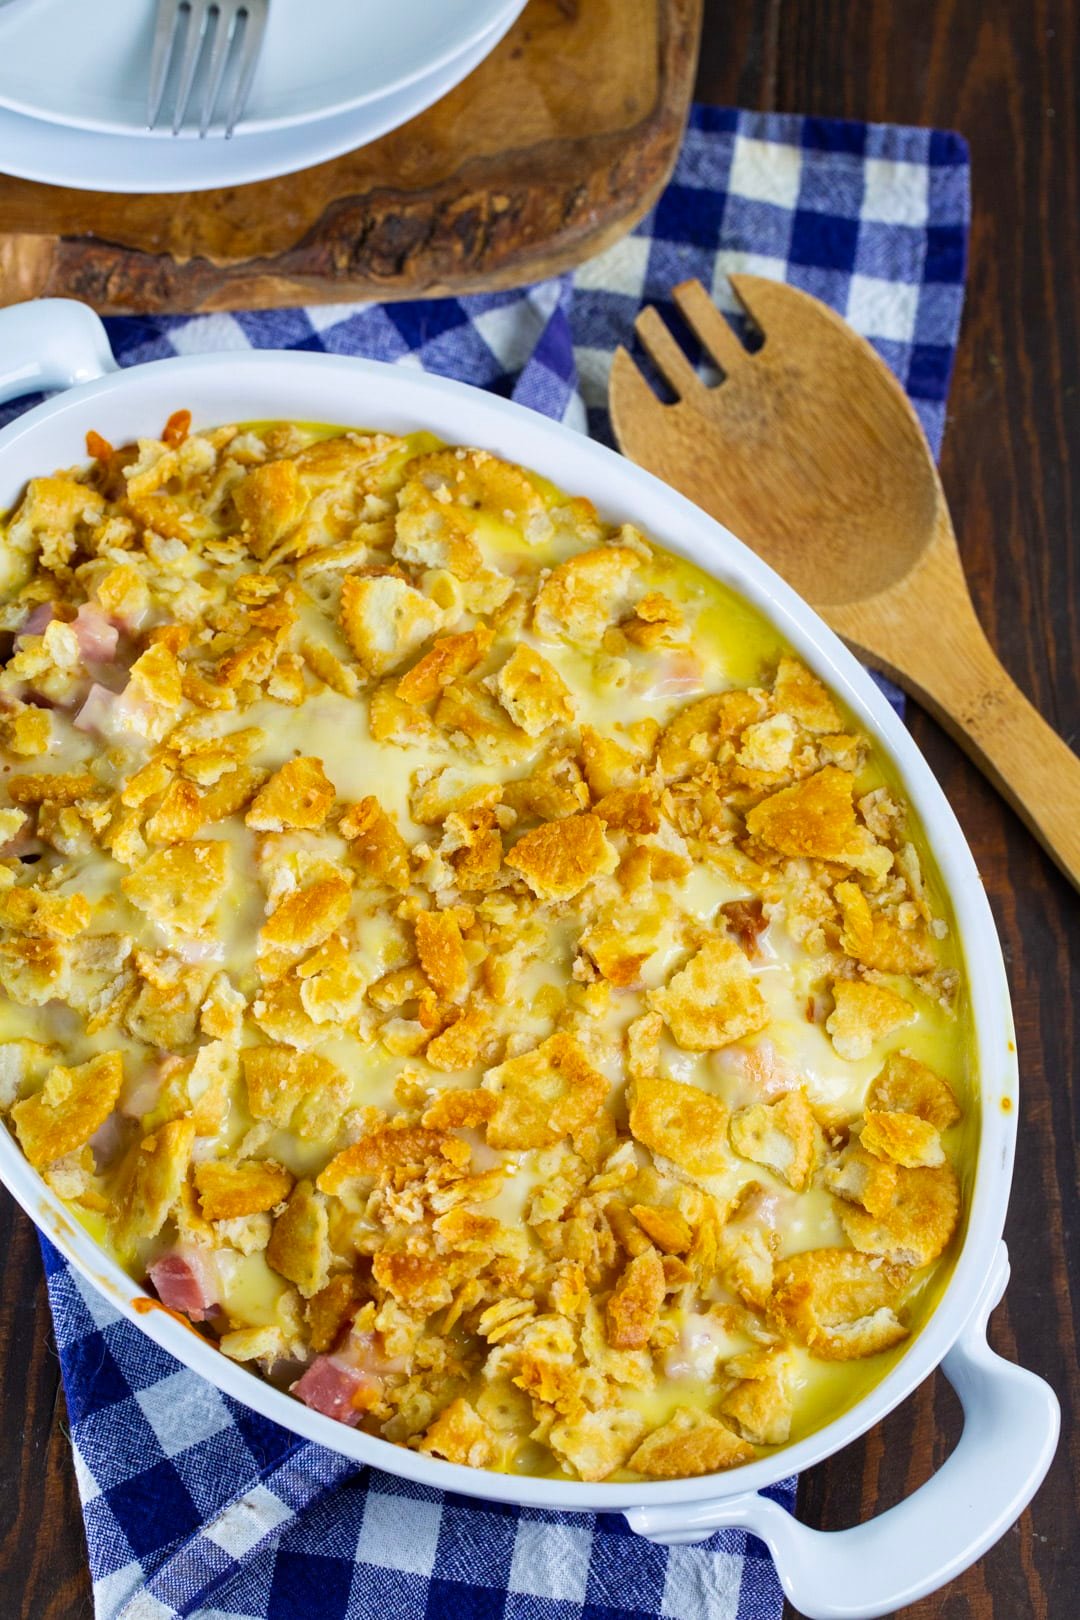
[718, 338]
[211, 36]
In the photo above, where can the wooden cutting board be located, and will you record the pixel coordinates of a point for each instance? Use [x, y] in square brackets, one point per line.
[552, 149]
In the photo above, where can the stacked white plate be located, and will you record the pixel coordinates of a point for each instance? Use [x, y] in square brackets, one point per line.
[332, 75]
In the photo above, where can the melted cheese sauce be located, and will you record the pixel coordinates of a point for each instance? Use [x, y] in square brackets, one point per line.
[736, 648]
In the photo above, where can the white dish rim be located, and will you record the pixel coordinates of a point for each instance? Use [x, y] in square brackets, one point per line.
[400, 396]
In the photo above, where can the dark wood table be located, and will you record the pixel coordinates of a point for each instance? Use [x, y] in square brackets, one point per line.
[1003, 72]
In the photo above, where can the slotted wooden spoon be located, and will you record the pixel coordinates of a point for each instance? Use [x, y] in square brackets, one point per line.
[810, 451]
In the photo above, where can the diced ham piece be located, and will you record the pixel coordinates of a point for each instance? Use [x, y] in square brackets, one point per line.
[98, 710]
[338, 1391]
[677, 674]
[365, 1350]
[701, 1342]
[36, 620]
[25, 842]
[114, 715]
[763, 1207]
[185, 1281]
[107, 1141]
[745, 920]
[201, 950]
[140, 1095]
[759, 1073]
[96, 635]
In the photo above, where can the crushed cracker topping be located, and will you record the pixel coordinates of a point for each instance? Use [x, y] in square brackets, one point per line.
[458, 955]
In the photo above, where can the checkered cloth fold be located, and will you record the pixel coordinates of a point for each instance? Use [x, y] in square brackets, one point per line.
[196, 1506]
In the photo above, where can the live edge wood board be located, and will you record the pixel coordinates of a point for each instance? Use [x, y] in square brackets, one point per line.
[553, 148]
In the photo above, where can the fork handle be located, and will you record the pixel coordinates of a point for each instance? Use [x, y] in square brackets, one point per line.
[927, 637]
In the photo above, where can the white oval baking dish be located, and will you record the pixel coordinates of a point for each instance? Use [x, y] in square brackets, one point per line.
[1010, 1416]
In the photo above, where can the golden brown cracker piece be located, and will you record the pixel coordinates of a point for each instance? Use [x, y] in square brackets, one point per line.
[629, 809]
[643, 1046]
[862, 1178]
[329, 1311]
[532, 691]
[543, 1095]
[180, 886]
[42, 913]
[760, 1409]
[681, 1122]
[802, 695]
[460, 1108]
[713, 1000]
[269, 502]
[68, 1109]
[917, 1224]
[607, 764]
[597, 1443]
[669, 1230]
[461, 1044]
[840, 1304]
[904, 1138]
[304, 919]
[908, 1086]
[155, 676]
[299, 1246]
[690, 1443]
[327, 667]
[460, 1435]
[300, 1088]
[227, 1190]
[448, 658]
[582, 595]
[814, 817]
[385, 619]
[559, 858]
[784, 1136]
[179, 815]
[231, 792]
[698, 732]
[376, 846]
[153, 1181]
[863, 1014]
[442, 956]
[298, 795]
[877, 941]
[405, 1146]
[419, 1282]
[52, 787]
[633, 1307]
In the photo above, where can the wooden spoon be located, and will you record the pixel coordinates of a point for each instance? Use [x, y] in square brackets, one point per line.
[810, 451]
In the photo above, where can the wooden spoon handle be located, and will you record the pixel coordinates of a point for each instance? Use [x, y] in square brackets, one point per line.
[1034, 768]
[964, 685]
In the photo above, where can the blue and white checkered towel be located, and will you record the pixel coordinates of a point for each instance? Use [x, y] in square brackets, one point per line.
[197, 1507]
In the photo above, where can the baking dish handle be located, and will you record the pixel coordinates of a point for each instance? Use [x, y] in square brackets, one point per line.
[1011, 1421]
[50, 343]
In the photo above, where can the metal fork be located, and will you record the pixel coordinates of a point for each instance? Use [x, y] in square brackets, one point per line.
[204, 27]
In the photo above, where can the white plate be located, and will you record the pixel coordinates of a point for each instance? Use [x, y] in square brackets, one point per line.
[86, 66]
[35, 150]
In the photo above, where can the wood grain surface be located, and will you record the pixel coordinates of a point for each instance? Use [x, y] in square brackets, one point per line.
[1002, 72]
[554, 147]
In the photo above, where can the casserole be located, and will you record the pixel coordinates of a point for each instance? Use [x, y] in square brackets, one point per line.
[1011, 1417]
